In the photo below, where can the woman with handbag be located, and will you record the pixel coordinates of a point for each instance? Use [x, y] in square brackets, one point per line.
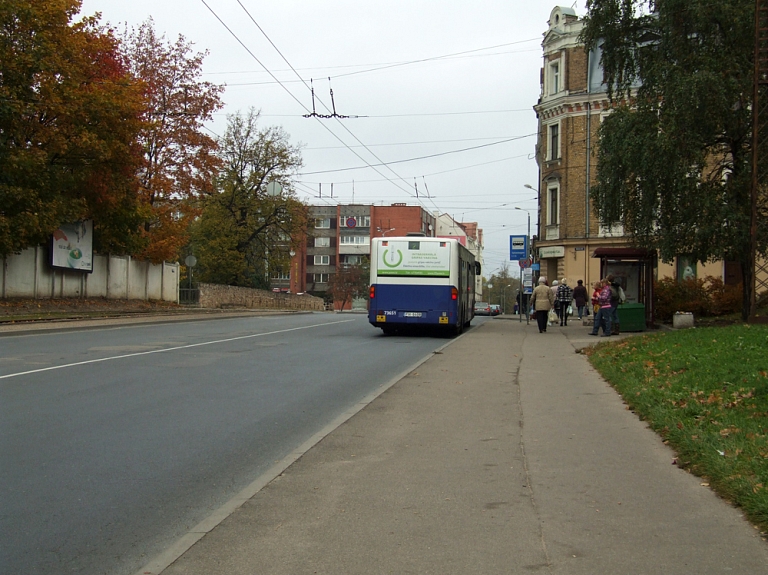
[542, 300]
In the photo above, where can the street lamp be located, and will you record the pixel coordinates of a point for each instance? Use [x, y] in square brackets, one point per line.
[529, 224]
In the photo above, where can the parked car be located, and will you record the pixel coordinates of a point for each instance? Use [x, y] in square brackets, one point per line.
[482, 308]
[495, 309]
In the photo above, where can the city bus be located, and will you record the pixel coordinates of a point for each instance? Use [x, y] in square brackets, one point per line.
[420, 282]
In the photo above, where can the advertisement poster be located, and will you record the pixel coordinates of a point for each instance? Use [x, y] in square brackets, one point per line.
[414, 258]
[72, 246]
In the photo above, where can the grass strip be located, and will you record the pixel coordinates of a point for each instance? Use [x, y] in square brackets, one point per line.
[705, 391]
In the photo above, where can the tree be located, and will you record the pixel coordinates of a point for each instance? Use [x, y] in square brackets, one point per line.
[245, 231]
[504, 289]
[179, 159]
[674, 159]
[348, 283]
[69, 115]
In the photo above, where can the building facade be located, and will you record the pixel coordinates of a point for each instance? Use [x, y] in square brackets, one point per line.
[341, 236]
[573, 102]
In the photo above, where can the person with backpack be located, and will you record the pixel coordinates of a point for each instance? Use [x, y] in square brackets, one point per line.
[564, 296]
[617, 298]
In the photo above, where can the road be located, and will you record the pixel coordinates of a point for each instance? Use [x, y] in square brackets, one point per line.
[115, 441]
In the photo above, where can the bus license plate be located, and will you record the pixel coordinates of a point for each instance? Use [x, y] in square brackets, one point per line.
[443, 319]
[412, 314]
[381, 318]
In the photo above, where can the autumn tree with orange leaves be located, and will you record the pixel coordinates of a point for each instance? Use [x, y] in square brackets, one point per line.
[179, 159]
[70, 114]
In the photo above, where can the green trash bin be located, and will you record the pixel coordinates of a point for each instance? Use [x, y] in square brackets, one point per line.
[632, 317]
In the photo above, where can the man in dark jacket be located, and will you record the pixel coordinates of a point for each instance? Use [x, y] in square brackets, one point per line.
[580, 297]
[564, 296]
[615, 301]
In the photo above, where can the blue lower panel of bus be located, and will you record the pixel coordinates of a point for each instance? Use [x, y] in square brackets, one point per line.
[408, 305]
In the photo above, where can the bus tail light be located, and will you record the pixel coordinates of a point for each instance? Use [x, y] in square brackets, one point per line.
[372, 292]
[454, 294]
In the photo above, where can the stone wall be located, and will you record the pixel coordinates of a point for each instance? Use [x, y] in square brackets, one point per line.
[220, 296]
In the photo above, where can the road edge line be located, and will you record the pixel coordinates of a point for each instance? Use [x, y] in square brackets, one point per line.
[165, 559]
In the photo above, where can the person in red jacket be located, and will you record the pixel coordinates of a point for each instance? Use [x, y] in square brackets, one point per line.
[604, 315]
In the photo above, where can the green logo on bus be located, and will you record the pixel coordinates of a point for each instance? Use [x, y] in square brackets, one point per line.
[395, 264]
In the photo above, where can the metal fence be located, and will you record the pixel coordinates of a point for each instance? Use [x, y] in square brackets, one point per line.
[189, 296]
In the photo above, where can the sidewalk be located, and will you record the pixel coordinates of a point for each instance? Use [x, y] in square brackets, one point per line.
[505, 453]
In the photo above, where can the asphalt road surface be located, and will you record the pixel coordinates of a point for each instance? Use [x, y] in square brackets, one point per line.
[115, 441]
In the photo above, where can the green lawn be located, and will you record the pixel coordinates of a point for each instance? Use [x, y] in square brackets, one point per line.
[705, 391]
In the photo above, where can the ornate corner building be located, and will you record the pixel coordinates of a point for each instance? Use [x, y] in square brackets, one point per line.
[571, 106]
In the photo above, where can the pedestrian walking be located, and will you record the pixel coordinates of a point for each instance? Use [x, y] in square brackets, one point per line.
[564, 297]
[580, 298]
[596, 287]
[556, 307]
[542, 300]
[616, 298]
[604, 315]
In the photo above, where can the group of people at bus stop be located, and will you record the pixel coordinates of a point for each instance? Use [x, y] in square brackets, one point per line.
[556, 303]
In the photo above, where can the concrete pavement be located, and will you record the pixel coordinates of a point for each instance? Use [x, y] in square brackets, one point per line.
[505, 452]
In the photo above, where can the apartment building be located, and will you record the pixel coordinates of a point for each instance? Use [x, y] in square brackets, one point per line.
[341, 235]
[572, 104]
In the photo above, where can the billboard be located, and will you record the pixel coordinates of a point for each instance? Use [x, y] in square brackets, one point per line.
[72, 246]
[414, 258]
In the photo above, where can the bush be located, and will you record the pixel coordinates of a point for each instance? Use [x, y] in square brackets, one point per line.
[672, 296]
[701, 297]
[724, 299]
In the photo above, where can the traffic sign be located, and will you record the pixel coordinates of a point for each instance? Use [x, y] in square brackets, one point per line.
[518, 247]
[526, 263]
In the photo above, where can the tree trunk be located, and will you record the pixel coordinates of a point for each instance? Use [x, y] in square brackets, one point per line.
[747, 271]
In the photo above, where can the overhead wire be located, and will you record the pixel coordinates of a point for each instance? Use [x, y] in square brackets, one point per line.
[326, 107]
[419, 157]
[236, 37]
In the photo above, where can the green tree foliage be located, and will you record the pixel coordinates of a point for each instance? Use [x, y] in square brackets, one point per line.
[69, 114]
[179, 159]
[349, 282]
[505, 284]
[244, 232]
[674, 160]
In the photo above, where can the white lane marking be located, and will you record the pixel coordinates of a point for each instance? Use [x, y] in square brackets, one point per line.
[170, 349]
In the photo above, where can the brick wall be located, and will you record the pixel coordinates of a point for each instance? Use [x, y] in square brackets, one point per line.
[576, 69]
[220, 296]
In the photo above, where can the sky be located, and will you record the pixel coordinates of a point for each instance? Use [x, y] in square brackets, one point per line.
[439, 94]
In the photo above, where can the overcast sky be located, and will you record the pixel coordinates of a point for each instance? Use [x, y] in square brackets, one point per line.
[443, 90]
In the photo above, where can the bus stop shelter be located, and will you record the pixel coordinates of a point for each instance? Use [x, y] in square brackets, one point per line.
[635, 270]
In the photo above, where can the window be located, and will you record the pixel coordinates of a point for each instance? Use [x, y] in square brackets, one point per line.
[323, 223]
[321, 278]
[353, 260]
[281, 275]
[355, 240]
[355, 222]
[322, 260]
[554, 142]
[322, 242]
[553, 215]
[554, 76]
[686, 268]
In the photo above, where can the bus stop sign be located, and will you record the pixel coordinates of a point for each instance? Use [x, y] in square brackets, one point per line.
[518, 247]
